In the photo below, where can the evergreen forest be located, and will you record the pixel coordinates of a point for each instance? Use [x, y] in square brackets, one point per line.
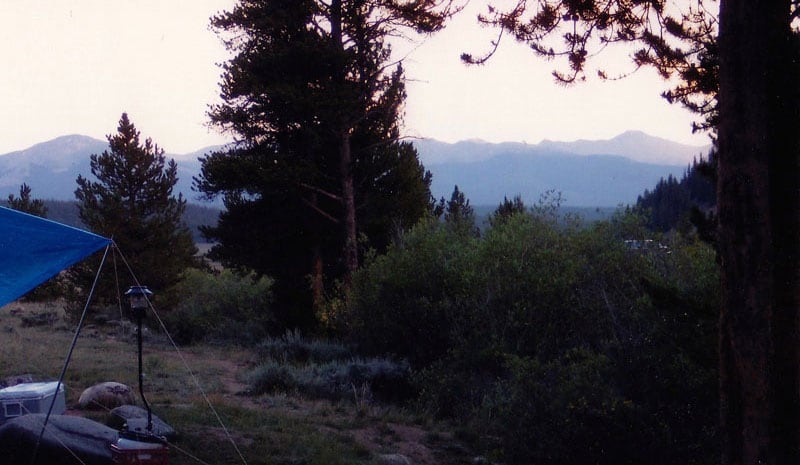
[685, 204]
[546, 338]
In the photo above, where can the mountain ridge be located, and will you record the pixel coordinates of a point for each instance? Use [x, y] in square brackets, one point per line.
[635, 145]
[588, 173]
[50, 168]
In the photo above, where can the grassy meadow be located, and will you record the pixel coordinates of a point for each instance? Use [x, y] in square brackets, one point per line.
[196, 387]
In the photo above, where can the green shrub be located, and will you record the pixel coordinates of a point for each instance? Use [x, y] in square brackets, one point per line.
[293, 348]
[272, 377]
[223, 307]
[553, 342]
[565, 411]
[373, 379]
[403, 302]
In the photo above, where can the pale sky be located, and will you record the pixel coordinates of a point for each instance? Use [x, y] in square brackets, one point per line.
[73, 67]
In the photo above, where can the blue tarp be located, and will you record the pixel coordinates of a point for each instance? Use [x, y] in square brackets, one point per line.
[34, 249]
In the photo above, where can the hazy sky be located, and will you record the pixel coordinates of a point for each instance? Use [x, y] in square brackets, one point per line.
[73, 67]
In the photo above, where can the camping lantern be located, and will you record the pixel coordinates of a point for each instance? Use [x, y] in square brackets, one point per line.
[137, 444]
[139, 299]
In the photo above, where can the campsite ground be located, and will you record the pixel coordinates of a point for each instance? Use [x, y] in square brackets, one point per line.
[194, 388]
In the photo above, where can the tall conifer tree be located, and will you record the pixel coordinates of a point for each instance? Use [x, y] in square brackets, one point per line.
[314, 102]
[132, 202]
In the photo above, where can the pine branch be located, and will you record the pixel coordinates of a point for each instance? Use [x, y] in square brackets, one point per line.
[330, 195]
[321, 212]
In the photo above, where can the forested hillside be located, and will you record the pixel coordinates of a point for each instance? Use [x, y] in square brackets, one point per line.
[680, 204]
[66, 211]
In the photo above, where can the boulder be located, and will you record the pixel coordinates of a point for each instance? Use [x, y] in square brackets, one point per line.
[123, 414]
[67, 440]
[106, 395]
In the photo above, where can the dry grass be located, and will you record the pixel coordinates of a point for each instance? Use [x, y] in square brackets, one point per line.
[276, 429]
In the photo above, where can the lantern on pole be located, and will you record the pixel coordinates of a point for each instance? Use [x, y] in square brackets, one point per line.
[138, 444]
[139, 300]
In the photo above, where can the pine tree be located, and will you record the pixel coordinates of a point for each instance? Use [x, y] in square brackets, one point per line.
[690, 201]
[459, 215]
[25, 203]
[132, 202]
[506, 210]
[315, 101]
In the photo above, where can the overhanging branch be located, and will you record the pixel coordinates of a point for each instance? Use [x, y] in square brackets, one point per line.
[330, 195]
[321, 212]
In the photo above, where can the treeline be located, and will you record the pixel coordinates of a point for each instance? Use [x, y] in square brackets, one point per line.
[685, 203]
[195, 216]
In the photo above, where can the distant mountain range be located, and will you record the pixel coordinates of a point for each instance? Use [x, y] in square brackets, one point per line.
[602, 173]
[587, 173]
[52, 167]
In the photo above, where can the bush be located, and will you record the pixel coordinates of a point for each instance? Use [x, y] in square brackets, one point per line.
[555, 341]
[378, 379]
[223, 307]
[403, 303]
[294, 349]
[272, 377]
[327, 370]
[565, 411]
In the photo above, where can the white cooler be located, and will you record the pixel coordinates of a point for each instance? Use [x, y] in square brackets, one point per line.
[26, 398]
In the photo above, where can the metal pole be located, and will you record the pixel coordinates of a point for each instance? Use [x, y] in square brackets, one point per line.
[139, 317]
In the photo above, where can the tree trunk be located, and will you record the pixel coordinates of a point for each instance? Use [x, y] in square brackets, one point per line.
[350, 251]
[349, 204]
[317, 271]
[758, 235]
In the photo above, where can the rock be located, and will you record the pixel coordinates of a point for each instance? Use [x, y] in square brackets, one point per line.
[106, 395]
[64, 436]
[121, 415]
[392, 459]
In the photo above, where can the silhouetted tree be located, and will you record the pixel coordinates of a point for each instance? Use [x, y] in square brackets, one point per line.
[675, 40]
[458, 213]
[758, 198]
[505, 210]
[26, 203]
[398, 195]
[314, 101]
[132, 202]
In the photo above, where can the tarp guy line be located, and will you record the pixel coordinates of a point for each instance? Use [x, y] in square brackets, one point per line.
[185, 363]
[69, 354]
